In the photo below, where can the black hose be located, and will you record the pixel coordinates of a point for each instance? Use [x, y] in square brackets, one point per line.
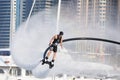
[83, 38]
[87, 38]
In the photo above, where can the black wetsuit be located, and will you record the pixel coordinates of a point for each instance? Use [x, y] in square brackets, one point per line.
[55, 43]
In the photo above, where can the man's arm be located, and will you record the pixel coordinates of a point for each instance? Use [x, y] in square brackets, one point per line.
[61, 43]
[52, 40]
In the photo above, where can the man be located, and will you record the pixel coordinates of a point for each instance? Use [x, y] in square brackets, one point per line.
[54, 42]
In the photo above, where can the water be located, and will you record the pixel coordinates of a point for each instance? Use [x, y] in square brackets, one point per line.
[29, 45]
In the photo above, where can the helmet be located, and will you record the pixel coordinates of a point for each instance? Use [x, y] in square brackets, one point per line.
[61, 33]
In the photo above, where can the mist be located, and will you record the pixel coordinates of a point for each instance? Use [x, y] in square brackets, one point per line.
[31, 41]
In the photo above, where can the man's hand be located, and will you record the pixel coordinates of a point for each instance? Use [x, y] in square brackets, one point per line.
[49, 44]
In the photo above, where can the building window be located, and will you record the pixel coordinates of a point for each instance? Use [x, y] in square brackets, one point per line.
[15, 71]
[4, 53]
[28, 73]
[1, 71]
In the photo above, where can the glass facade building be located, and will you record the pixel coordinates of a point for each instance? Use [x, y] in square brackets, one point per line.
[7, 24]
[5, 18]
[40, 5]
[5, 15]
[17, 14]
[25, 6]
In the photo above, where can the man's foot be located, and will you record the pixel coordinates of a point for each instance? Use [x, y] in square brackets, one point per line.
[45, 60]
[51, 64]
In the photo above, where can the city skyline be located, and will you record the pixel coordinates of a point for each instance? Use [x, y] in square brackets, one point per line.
[76, 17]
[90, 13]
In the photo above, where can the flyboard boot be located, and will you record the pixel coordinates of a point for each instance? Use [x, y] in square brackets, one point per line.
[51, 64]
[45, 60]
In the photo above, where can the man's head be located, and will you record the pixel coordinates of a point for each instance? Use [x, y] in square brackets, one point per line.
[61, 33]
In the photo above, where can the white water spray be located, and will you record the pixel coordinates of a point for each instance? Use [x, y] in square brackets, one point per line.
[28, 47]
[58, 16]
[26, 24]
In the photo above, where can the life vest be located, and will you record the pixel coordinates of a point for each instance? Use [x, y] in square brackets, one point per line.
[57, 40]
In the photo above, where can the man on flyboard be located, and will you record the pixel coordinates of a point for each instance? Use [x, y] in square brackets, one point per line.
[54, 42]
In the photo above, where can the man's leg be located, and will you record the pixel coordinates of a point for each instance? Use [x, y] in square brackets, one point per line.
[46, 58]
[53, 59]
[54, 56]
[48, 54]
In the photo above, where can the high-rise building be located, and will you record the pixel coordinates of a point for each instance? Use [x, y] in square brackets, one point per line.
[5, 14]
[25, 7]
[7, 24]
[97, 12]
[40, 5]
[118, 17]
[101, 14]
[111, 13]
[17, 10]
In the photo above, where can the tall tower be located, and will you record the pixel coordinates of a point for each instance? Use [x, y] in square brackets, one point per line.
[25, 6]
[17, 9]
[97, 12]
[7, 24]
[5, 9]
[118, 18]
[101, 14]
[39, 6]
[111, 13]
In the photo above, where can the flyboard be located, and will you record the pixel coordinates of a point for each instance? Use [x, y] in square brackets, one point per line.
[46, 62]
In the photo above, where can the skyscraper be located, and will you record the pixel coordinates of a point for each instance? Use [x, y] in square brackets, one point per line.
[98, 12]
[118, 17]
[40, 5]
[17, 7]
[5, 14]
[7, 24]
[25, 6]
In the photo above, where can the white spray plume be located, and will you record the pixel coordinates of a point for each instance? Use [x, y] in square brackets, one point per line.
[29, 45]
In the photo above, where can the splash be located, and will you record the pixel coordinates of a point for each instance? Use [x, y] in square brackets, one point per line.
[29, 45]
